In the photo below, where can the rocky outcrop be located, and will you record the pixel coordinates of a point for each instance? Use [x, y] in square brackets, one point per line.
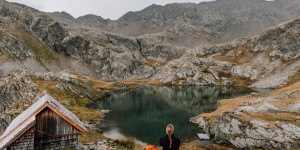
[93, 21]
[155, 46]
[256, 134]
[269, 122]
[73, 46]
[196, 71]
[286, 36]
[99, 145]
[48, 31]
[15, 95]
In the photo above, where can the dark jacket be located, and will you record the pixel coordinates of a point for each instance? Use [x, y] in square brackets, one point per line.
[165, 142]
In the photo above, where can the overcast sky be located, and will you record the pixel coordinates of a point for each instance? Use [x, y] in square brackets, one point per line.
[112, 9]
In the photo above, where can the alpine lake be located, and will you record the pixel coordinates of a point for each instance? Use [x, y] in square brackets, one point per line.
[144, 113]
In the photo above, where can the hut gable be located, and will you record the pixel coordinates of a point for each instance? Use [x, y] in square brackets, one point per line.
[25, 141]
[44, 106]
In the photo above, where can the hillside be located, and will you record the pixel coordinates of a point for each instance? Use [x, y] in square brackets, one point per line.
[32, 40]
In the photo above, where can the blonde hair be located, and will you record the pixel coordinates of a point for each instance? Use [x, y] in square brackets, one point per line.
[170, 131]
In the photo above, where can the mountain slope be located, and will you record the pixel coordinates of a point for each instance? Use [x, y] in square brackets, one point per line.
[34, 41]
[220, 21]
[268, 60]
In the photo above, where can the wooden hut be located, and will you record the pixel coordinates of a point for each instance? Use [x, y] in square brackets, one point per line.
[44, 125]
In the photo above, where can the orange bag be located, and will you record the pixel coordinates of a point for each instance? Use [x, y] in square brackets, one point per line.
[151, 147]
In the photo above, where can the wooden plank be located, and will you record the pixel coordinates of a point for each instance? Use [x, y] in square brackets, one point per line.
[66, 118]
[37, 111]
[26, 141]
[54, 132]
[55, 110]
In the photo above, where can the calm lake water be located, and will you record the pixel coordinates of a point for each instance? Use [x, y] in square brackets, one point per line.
[145, 112]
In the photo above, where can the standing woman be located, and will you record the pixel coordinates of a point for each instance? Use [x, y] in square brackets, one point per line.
[170, 142]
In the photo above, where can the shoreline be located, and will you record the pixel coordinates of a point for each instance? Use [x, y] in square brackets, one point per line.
[251, 122]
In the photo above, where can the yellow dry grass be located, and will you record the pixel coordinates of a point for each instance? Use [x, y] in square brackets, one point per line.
[91, 137]
[281, 103]
[146, 81]
[77, 103]
[225, 105]
[196, 146]
[239, 55]
[46, 85]
[232, 104]
[191, 146]
[291, 88]
[108, 86]
[4, 58]
[14, 112]
[271, 117]
[84, 113]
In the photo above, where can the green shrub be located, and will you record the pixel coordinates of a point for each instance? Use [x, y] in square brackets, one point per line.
[128, 144]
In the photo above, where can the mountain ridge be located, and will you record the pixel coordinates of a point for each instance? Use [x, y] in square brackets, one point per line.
[164, 56]
[156, 18]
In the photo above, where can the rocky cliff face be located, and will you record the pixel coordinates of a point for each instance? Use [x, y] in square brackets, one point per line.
[207, 22]
[41, 44]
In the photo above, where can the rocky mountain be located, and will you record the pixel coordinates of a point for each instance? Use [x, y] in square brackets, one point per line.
[32, 40]
[194, 24]
[268, 60]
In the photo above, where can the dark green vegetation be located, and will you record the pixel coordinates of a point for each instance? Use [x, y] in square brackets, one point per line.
[41, 51]
[127, 144]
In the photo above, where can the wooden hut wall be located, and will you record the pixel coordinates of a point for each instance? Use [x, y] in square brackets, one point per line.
[25, 141]
[52, 131]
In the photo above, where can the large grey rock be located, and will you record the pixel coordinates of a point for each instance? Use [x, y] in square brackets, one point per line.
[294, 107]
[231, 128]
[200, 71]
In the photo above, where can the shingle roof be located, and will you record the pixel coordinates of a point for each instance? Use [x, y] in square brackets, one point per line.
[26, 118]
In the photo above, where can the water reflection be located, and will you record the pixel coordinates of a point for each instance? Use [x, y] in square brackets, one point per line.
[145, 112]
